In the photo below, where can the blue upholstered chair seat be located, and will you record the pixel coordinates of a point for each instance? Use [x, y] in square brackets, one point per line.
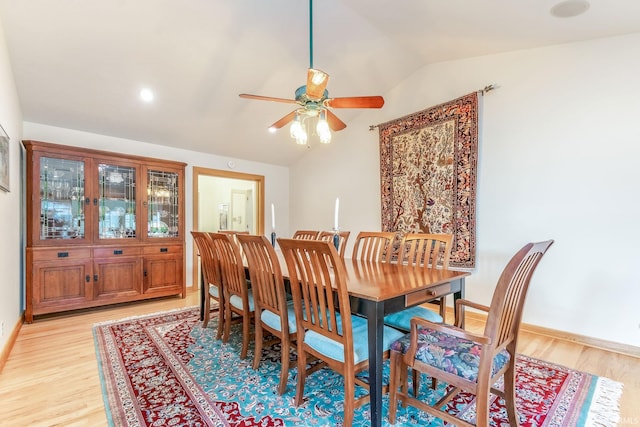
[236, 301]
[273, 320]
[402, 319]
[214, 291]
[335, 350]
[451, 354]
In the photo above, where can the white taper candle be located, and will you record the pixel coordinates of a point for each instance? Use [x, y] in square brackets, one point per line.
[273, 217]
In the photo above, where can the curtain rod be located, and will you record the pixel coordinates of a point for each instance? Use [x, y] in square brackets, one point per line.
[482, 91]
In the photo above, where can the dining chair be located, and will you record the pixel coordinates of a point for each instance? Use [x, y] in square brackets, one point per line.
[469, 361]
[273, 312]
[238, 298]
[306, 234]
[373, 246]
[234, 234]
[326, 328]
[429, 250]
[342, 239]
[211, 279]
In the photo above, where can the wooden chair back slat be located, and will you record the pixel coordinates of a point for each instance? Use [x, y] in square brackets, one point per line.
[374, 246]
[208, 258]
[306, 234]
[265, 273]
[318, 285]
[432, 250]
[343, 237]
[504, 318]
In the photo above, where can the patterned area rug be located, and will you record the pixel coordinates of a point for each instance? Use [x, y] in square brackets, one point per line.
[164, 369]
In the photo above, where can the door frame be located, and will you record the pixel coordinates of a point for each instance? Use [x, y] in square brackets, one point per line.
[218, 173]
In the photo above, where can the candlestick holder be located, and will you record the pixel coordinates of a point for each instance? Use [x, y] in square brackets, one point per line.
[336, 238]
[273, 239]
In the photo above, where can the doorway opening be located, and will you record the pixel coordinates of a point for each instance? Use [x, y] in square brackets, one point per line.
[225, 200]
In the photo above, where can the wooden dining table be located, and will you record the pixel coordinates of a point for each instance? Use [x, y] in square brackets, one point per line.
[377, 289]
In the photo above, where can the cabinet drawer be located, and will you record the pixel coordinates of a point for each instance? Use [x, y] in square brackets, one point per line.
[116, 251]
[425, 295]
[61, 254]
[162, 249]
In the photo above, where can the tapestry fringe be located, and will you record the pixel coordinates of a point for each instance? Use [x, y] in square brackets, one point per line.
[605, 406]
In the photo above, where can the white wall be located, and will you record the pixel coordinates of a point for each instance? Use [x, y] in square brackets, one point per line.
[276, 177]
[10, 252]
[559, 157]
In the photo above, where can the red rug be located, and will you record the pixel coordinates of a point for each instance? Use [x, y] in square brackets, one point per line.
[166, 370]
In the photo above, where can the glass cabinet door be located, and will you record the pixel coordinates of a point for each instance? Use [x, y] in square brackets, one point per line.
[163, 204]
[62, 205]
[116, 201]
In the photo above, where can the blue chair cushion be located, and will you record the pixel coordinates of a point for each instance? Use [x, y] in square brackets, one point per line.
[458, 356]
[402, 319]
[236, 301]
[214, 291]
[273, 320]
[335, 350]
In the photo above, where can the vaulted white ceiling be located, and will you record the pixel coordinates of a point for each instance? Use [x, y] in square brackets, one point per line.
[80, 64]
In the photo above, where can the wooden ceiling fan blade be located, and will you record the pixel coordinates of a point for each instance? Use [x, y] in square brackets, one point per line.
[355, 102]
[267, 98]
[283, 121]
[335, 124]
[316, 83]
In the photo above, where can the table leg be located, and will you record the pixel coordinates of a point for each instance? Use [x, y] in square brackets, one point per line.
[375, 315]
[203, 295]
[457, 296]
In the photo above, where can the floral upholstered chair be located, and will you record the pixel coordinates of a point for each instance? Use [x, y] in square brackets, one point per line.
[468, 361]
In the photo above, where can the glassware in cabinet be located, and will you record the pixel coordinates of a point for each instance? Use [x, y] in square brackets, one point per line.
[62, 206]
[116, 201]
[163, 206]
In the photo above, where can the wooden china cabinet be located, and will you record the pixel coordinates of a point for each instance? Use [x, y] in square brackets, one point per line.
[102, 228]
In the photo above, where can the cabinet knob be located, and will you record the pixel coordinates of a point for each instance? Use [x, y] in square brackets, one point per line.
[87, 278]
[95, 277]
[87, 201]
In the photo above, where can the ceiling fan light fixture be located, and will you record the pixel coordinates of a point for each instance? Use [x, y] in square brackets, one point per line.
[296, 128]
[316, 83]
[301, 138]
[322, 128]
[318, 77]
[297, 131]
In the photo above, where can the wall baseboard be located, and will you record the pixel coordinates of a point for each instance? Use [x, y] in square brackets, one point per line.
[6, 350]
[626, 349]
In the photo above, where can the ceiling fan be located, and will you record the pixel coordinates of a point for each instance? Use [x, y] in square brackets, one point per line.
[313, 99]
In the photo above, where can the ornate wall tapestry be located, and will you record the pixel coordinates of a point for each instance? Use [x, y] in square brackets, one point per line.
[428, 168]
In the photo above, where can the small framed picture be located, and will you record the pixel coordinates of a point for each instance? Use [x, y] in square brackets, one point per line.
[4, 160]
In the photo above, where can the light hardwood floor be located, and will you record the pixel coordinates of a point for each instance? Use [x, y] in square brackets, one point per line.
[51, 376]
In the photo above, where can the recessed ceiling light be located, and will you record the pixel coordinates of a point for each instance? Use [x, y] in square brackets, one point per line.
[146, 94]
[570, 8]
